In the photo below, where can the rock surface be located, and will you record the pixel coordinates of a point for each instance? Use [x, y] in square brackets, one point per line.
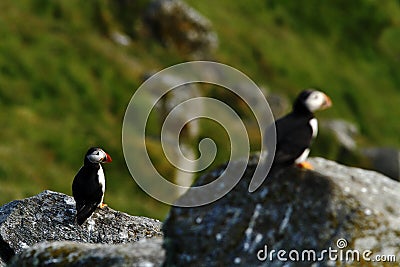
[49, 216]
[144, 253]
[333, 207]
[279, 104]
[385, 160]
[344, 131]
[175, 23]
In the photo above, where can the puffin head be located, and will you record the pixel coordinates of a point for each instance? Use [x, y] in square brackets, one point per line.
[312, 100]
[97, 155]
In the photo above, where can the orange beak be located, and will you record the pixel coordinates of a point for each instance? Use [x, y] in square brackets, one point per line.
[107, 158]
[327, 103]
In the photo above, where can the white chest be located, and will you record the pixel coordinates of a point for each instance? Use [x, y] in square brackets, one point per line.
[102, 179]
[314, 126]
[303, 156]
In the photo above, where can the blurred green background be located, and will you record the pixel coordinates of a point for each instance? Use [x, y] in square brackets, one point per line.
[65, 84]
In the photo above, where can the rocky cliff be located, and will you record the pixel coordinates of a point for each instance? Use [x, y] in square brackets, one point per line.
[303, 213]
[332, 216]
[49, 216]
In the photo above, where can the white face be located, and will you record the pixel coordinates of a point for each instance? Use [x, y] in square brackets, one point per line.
[97, 156]
[317, 100]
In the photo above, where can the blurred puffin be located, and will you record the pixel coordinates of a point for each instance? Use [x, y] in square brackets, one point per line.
[296, 130]
[89, 184]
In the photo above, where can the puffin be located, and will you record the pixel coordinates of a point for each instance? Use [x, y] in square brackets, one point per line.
[89, 184]
[296, 131]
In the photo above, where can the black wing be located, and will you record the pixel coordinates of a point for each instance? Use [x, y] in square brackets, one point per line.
[293, 136]
[84, 211]
[87, 194]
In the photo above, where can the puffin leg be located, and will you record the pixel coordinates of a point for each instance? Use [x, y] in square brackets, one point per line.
[305, 165]
[103, 205]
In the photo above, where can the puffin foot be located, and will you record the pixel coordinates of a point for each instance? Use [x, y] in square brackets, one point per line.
[103, 205]
[305, 165]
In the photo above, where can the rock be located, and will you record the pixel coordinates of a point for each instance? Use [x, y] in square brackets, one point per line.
[176, 24]
[385, 160]
[144, 253]
[49, 216]
[279, 104]
[170, 101]
[344, 131]
[330, 208]
[120, 38]
[180, 126]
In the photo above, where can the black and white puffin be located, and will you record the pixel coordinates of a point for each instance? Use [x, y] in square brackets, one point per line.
[89, 184]
[296, 130]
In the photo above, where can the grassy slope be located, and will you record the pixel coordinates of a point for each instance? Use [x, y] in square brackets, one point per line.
[64, 85]
[287, 53]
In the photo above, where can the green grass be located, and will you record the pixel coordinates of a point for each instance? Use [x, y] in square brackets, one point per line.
[64, 85]
[277, 46]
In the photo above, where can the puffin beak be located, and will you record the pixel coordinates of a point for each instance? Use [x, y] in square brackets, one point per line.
[107, 158]
[327, 103]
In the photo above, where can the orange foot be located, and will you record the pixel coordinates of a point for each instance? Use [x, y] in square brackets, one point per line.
[305, 165]
[102, 205]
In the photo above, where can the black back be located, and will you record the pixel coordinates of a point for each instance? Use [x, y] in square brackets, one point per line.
[86, 190]
[293, 136]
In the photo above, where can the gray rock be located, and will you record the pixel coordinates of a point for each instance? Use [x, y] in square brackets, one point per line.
[385, 160]
[120, 38]
[293, 209]
[279, 104]
[344, 131]
[172, 99]
[49, 216]
[181, 124]
[174, 23]
[144, 253]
